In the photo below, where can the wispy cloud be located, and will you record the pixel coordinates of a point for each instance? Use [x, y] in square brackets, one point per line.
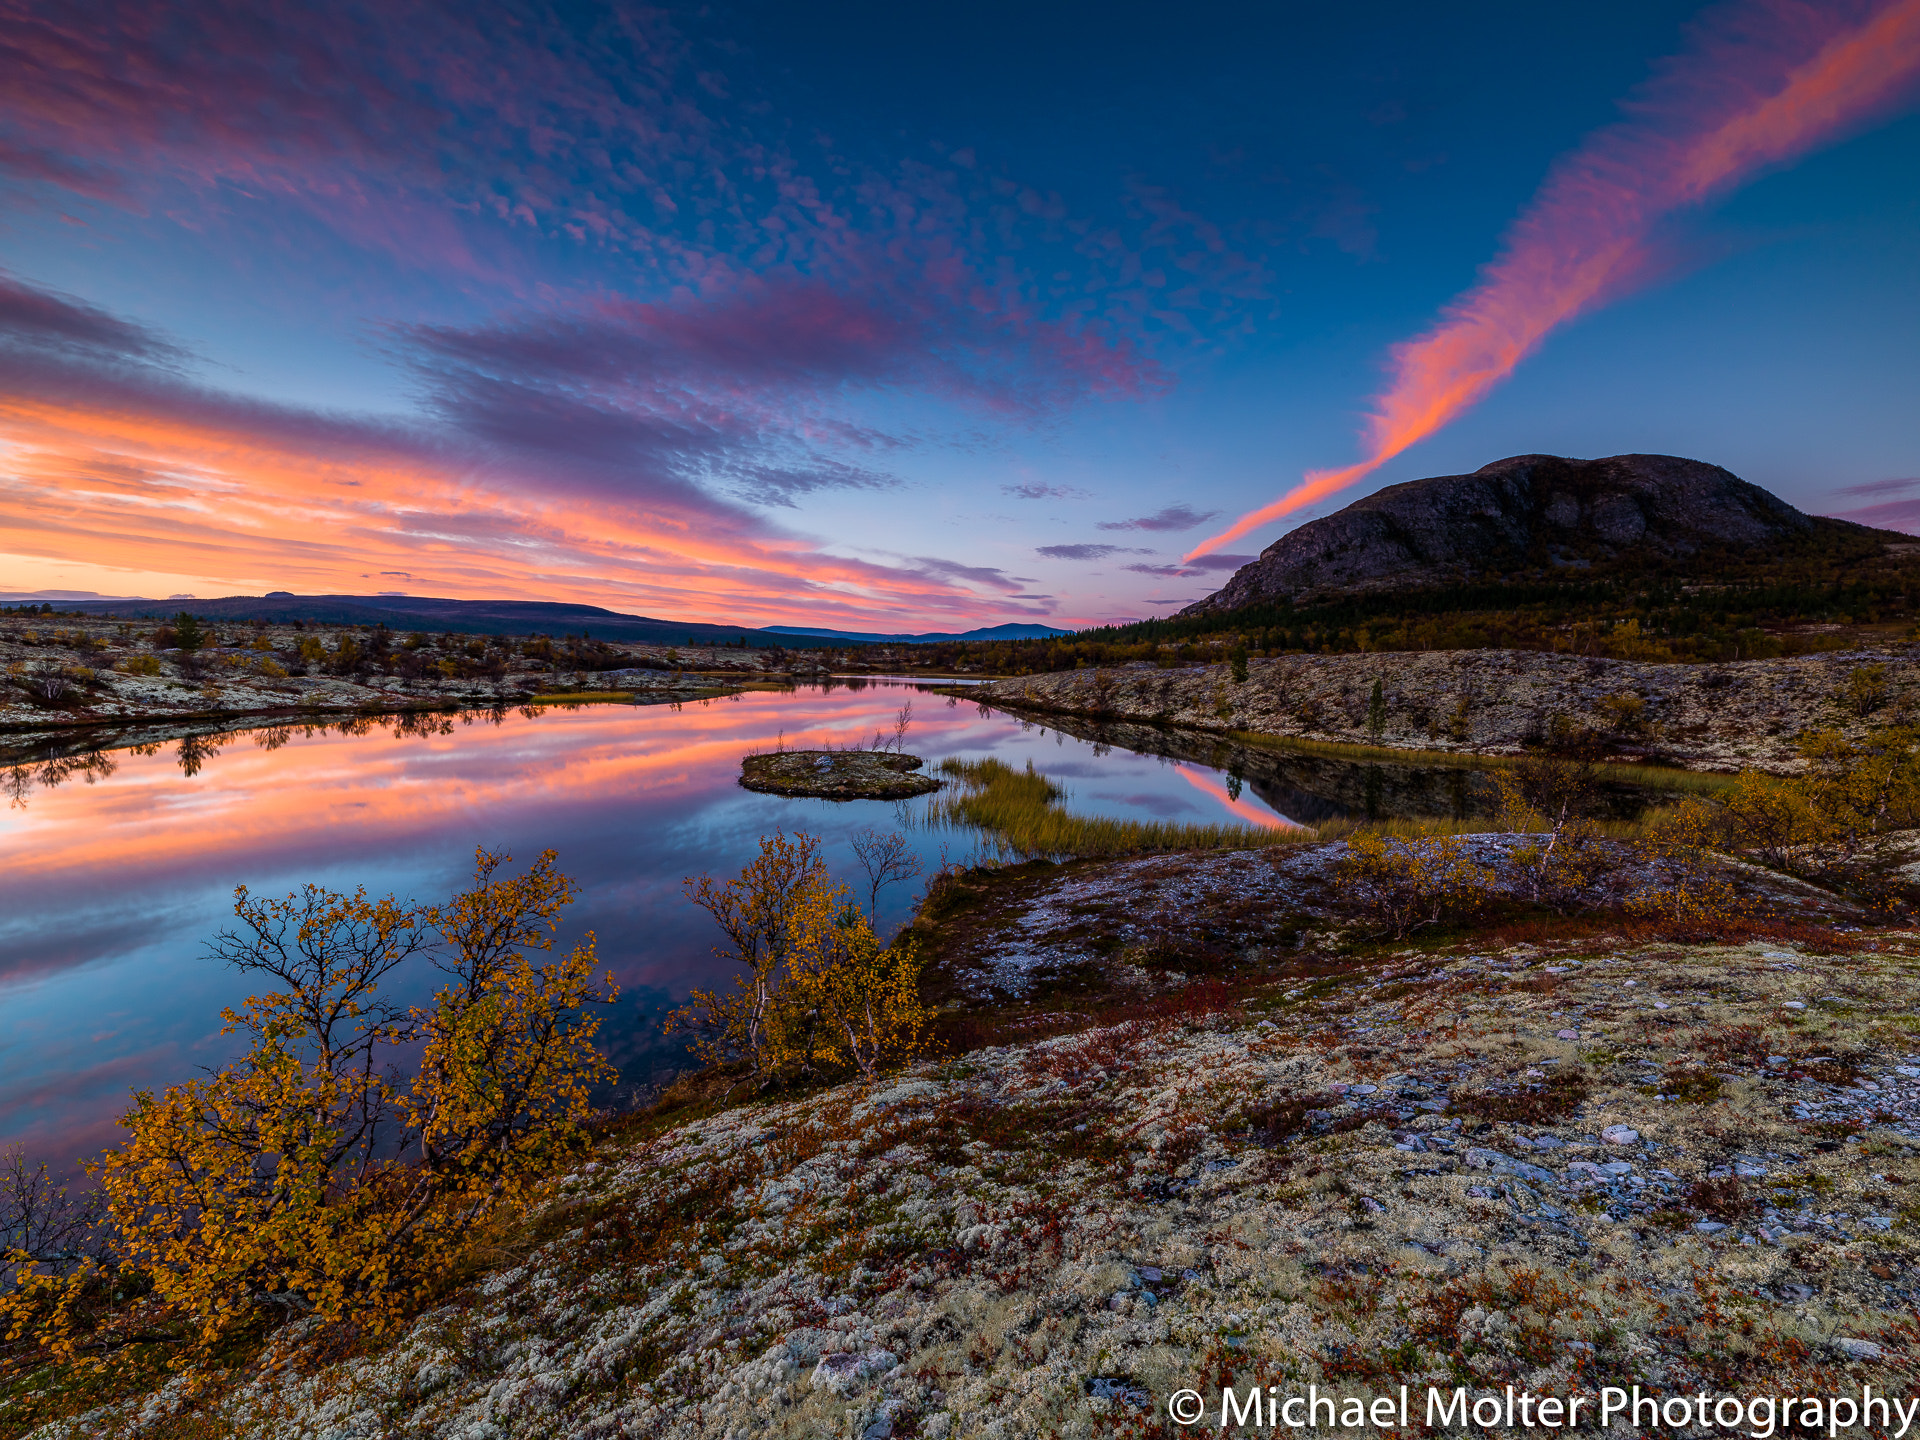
[1086, 552]
[1036, 491]
[1174, 517]
[140, 468]
[1201, 565]
[1768, 83]
[46, 320]
[1881, 487]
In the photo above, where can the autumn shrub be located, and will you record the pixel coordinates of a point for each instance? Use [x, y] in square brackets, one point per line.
[816, 989]
[1721, 1198]
[1865, 691]
[1548, 800]
[1543, 1102]
[1407, 885]
[310, 1175]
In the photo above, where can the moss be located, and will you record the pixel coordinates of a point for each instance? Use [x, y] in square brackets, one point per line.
[836, 774]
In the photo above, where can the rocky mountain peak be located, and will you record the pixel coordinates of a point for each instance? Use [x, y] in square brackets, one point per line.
[1524, 513]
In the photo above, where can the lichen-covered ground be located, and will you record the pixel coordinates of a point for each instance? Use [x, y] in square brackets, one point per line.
[1039, 930]
[1500, 702]
[837, 774]
[1548, 1166]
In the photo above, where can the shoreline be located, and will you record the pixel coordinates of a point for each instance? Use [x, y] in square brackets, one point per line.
[1487, 705]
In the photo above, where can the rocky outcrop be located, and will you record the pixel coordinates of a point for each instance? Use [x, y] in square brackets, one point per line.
[1500, 702]
[1341, 1185]
[1529, 512]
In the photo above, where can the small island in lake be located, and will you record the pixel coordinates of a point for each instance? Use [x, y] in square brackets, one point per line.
[837, 774]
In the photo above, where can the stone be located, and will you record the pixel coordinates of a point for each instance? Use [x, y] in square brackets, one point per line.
[1124, 1391]
[844, 1373]
[1857, 1349]
[1709, 1227]
[1569, 1034]
[1620, 1135]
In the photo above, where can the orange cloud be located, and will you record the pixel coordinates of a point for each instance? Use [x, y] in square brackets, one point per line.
[157, 480]
[1728, 113]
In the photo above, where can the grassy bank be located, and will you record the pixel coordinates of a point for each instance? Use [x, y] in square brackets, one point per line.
[1647, 777]
[1018, 808]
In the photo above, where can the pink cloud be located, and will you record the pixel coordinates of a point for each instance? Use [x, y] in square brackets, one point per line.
[1770, 83]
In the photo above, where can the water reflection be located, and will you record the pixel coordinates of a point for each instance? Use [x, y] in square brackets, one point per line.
[117, 864]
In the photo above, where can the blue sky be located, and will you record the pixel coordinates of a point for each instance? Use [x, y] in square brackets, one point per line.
[896, 316]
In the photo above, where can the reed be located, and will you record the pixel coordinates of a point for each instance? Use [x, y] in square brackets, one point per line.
[1020, 810]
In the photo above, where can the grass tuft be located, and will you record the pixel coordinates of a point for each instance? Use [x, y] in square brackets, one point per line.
[1019, 809]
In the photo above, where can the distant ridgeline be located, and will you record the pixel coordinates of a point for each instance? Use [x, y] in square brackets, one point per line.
[499, 617]
[1647, 557]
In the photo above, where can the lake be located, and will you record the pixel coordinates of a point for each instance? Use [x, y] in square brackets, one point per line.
[114, 877]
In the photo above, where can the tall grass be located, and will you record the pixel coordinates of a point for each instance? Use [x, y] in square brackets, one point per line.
[1019, 809]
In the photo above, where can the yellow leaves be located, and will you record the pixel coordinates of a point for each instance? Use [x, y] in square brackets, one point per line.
[818, 988]
[304, 1173]
[47, 1307]
[1408, 885]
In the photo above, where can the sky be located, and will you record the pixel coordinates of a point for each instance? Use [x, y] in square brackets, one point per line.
[892, 317]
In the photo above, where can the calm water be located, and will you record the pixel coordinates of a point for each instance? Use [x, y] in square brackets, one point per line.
[111, 882]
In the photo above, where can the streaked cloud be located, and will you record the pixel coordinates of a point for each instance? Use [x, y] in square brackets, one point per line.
[1766, 83]
[1086, 552]
[1174, 517]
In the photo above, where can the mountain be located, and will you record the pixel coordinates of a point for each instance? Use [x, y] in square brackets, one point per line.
[409, 612]
[930, 637]
[1526, 515]
[492, 617]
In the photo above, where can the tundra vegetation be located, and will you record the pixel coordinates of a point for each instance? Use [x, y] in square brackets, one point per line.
[1549, 1100]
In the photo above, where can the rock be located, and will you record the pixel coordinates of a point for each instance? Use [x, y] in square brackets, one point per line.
[1620, 1135]
[836, 774]
[1483, 1159]
[1709, 1227]
[1498, 519]
[1857, 1349]
[1121, 1390]
[1793, 1005]
[1569, 1034]
[842, 1374]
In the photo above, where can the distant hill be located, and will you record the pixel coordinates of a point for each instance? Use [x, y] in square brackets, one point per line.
[495, 617]
[1533, 517]
[930, 637]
